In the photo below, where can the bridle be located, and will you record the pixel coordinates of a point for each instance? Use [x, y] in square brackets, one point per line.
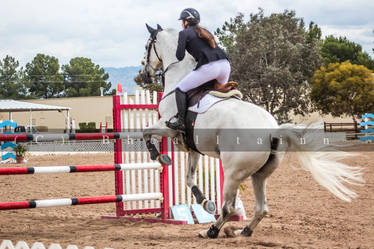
[152, 45]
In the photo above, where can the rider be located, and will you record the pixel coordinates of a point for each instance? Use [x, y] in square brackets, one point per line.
[212, 62]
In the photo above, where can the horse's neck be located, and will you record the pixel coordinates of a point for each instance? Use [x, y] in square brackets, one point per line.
[168, 42]
[167, 45]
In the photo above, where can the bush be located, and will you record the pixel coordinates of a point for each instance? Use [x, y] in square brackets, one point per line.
[20, 149]
[42, 128]
[87, 127]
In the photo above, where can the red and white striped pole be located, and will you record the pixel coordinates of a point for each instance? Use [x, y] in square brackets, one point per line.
[78, 168]
[79, 201]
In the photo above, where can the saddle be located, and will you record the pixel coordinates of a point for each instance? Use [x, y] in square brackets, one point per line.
[195, 95]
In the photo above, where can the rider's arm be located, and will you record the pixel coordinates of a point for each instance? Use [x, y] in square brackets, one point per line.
[181, 46]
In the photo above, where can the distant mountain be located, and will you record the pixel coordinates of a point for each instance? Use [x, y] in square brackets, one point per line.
[123, 75]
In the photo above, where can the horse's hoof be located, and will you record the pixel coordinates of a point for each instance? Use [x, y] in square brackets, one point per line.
[164, 160]
[232, 231]
[203, 234]
[247, 232]
[213, 232]
[210, 207]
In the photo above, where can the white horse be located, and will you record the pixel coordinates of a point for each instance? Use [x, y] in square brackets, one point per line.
[240, 116]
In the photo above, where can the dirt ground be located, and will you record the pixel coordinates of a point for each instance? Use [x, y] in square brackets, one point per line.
[302, 214]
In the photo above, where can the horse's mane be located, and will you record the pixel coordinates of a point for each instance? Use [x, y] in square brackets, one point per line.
[171, 36]
[172, 31]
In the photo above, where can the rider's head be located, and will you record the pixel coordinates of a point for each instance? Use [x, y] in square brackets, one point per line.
[189, 17]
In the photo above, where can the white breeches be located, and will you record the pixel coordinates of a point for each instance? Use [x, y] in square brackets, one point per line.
[219, 70]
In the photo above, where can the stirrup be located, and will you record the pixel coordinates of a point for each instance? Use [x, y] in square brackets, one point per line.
[177, 125]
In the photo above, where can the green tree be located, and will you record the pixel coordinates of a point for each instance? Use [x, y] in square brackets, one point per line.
[43, 77]
[313, 34]
[84, 78]
[272, 58]
[365, 60]
[11, 85]
[343, 89]
[148, 86]
[340, 49]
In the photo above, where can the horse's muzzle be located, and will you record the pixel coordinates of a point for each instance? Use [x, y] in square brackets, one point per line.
[146, 77]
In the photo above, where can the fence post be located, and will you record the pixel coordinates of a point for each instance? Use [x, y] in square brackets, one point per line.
[165, 205]
[118, 175]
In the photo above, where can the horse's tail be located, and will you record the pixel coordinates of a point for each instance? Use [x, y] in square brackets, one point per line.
[322, 163]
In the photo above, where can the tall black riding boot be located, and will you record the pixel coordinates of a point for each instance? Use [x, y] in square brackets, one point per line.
[181, 98]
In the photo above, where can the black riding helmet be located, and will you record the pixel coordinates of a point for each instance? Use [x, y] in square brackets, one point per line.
[191, 15]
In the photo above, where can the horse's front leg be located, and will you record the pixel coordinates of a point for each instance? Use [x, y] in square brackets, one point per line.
[230, 186]
[193, 158]
[158, 129]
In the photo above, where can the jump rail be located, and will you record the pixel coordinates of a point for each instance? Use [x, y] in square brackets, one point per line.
[79, 201]
[27, 137]
[77, 169]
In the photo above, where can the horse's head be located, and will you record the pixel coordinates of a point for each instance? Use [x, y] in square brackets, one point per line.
[151, 61]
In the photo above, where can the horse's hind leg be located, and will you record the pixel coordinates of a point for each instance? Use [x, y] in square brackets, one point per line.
[259, 187]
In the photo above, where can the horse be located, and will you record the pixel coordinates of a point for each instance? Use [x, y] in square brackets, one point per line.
[243, 117]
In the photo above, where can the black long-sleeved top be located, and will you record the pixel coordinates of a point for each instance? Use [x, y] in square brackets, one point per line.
[198, 48]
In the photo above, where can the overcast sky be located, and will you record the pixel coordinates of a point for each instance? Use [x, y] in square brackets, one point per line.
[112, 32]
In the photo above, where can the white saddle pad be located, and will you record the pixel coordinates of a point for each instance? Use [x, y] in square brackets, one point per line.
[205, 103]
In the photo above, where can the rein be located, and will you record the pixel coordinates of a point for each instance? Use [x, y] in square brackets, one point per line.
[166, 95]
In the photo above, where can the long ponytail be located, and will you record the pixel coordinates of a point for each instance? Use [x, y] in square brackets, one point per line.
[206, 35]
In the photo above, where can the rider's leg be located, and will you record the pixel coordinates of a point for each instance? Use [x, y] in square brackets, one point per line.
[181, 99]
[219, 70]
[225, 71]
[190, 81]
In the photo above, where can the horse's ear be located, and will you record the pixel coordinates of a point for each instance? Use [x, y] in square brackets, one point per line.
[159, 27]
[150, 29]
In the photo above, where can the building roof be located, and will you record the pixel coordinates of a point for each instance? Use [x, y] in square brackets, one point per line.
[10, 105]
